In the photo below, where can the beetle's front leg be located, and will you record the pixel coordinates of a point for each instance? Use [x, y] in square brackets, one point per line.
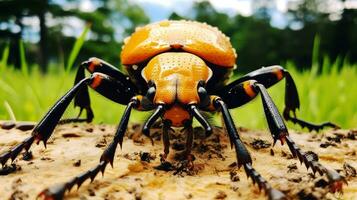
[44, 128]
[103, 84]
[57, 191]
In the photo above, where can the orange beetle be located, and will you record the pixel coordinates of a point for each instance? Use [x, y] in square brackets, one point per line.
[175, 56]
[178, 69]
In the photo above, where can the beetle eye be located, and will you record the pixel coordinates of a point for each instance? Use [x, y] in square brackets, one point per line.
[150, 94]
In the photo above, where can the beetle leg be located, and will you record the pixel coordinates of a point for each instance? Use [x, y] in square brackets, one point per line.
[292, 103]
[157, 113]
[189, 139]
[268, 76]
[44, 129]
[57, 191]
[194, 111]
[82, 99]
[165, 139]
[243, 155]
[279, 131]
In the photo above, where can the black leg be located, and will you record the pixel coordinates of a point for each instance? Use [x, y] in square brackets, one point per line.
[194, 111]
[243, 155]
[166, 139]
[57, 192]
[102, 83]
[44, 128]
[279, 131]
[189, 139]
[316, 127]
[157, 113]
[82, 99]
[292, 104]
[239, 93]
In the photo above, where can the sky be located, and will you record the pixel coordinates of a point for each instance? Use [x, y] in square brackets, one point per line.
[161, 9]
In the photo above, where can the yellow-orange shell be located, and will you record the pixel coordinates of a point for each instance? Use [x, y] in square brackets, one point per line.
[197, 38]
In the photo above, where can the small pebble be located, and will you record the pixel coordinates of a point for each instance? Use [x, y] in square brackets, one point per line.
[90, 130]
[77, 163]
[145, 156]
[260, 144]
[7, 125]
[234, 176]
[221, 195]
[165, 166]
[292, 167]
[25, 126]
[91, 192]
[349, 170]
[27, 156]
[272, 152]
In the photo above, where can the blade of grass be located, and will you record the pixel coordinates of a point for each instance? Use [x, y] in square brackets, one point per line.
[336, 65]
[24, 66]
[326, 64]
[10, 111]
[25, 72]
[315, 56]
[5, 56]
[77, 47]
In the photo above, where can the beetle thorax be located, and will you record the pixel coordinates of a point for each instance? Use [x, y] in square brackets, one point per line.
[176, 76]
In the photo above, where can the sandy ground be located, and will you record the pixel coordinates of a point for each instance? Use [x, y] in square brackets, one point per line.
[75, 148]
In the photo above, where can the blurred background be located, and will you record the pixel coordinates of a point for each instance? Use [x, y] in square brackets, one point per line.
[316, 39]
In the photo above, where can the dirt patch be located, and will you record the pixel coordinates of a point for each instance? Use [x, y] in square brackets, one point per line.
[138, 173]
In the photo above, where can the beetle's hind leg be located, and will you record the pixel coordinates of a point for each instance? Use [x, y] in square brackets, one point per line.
[292, 104]
[269, 76]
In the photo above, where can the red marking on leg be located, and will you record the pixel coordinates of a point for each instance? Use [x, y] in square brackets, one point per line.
[336, 186]
[282, 138]
[96, 81]
[38, 138]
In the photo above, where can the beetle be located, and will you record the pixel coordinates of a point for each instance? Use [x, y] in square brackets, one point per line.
[178, 69]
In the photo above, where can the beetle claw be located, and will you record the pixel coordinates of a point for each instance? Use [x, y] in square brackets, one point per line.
[336, 181]
[53, 193]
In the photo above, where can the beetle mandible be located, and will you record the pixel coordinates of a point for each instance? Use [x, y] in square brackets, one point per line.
[178, 69]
